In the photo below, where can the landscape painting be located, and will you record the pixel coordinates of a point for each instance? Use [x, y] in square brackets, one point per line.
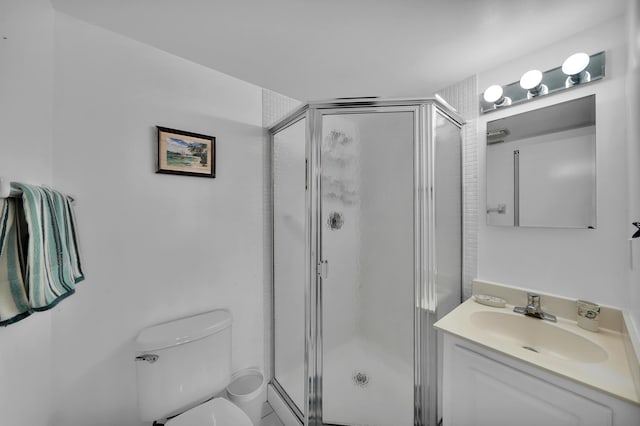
[186, 153]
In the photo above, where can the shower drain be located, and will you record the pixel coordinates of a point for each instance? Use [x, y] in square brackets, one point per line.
[361, 379]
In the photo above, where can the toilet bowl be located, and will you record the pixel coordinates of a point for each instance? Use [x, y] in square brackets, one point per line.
[183, 362]
[215, 412]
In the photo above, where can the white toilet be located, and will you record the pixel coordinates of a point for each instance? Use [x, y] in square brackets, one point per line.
[180, 366]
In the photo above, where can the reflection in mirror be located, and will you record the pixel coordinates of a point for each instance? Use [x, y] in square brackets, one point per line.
[541, 167]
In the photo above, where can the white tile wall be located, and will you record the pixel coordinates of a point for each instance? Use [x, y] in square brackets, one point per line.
[463, 97]
[275, 106]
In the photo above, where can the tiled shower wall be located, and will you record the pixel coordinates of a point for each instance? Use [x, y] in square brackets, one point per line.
[463, 97]
[274, 107]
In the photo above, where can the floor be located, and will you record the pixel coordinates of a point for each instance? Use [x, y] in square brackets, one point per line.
[269, 417]
[363, 384]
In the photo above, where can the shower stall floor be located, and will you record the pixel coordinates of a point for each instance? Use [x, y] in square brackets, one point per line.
[362, 385]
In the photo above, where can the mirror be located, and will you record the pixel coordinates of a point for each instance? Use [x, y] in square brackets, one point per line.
[541, 167]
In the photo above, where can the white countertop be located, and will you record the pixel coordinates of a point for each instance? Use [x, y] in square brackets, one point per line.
[612, 375]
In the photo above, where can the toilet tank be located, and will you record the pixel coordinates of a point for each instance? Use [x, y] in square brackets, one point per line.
[193, 363]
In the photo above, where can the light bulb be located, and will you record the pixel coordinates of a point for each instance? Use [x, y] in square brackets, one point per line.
[575, 63]
[575, 67]
[493, 93]
[531, 79]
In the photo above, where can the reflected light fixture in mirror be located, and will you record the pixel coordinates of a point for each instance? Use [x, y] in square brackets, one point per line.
[531, 81]
[495, 95]
[575, 67]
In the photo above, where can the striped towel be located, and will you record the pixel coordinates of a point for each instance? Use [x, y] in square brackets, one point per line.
[14, 305]
[53, 260]
[52, 264]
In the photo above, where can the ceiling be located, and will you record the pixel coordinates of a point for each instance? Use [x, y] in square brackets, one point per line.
[319, 49]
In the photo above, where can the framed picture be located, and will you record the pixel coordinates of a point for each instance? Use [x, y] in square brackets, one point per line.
[186, 153]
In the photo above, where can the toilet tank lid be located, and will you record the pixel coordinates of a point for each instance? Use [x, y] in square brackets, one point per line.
[183, 330]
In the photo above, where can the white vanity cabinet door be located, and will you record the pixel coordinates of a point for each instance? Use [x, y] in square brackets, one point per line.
[482, 389]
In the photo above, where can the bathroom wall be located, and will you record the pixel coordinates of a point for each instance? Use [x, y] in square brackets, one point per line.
[26, 87]
[589, 264]
[275, 106]
[573, 198]
[156, 247]
[633, 157]
[462, 96]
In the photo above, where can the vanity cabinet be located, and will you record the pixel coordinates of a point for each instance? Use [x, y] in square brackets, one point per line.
[483, 387]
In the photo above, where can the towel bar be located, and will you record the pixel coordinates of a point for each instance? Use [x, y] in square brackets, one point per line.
[6, 191]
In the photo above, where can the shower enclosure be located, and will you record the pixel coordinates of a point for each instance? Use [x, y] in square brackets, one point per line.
[366, 257]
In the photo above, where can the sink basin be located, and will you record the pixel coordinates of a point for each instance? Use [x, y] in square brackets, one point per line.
[538, 336]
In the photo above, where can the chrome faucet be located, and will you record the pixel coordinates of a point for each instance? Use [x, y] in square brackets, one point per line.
[533, 308]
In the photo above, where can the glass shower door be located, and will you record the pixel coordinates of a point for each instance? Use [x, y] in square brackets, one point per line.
[367, 279]
[289, 262]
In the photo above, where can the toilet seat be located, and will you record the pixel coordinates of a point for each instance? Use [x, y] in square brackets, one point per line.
[215, 412]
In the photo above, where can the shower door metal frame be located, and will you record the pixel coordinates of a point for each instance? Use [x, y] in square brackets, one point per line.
[425, 297]
[421, 181]
[296, 116]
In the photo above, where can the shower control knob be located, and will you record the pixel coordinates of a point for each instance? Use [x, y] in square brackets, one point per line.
[335, 221]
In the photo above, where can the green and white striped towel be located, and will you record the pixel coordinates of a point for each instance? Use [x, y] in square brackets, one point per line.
[52, 263]
[14, 305]
[53, 259]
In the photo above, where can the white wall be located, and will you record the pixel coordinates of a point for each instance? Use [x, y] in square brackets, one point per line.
[156, 247]
[633, 156]
[463, 97]
[26, 74]
[588, 264]
[548, 197]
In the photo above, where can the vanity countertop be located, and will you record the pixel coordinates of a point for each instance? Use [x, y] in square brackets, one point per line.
[611, 373]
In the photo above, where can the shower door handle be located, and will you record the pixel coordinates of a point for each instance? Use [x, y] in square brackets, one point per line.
[323, 269]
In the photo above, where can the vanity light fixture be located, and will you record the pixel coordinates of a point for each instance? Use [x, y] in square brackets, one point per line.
[577, 70]
[575, 67]
[495, 95]
[531, 81]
